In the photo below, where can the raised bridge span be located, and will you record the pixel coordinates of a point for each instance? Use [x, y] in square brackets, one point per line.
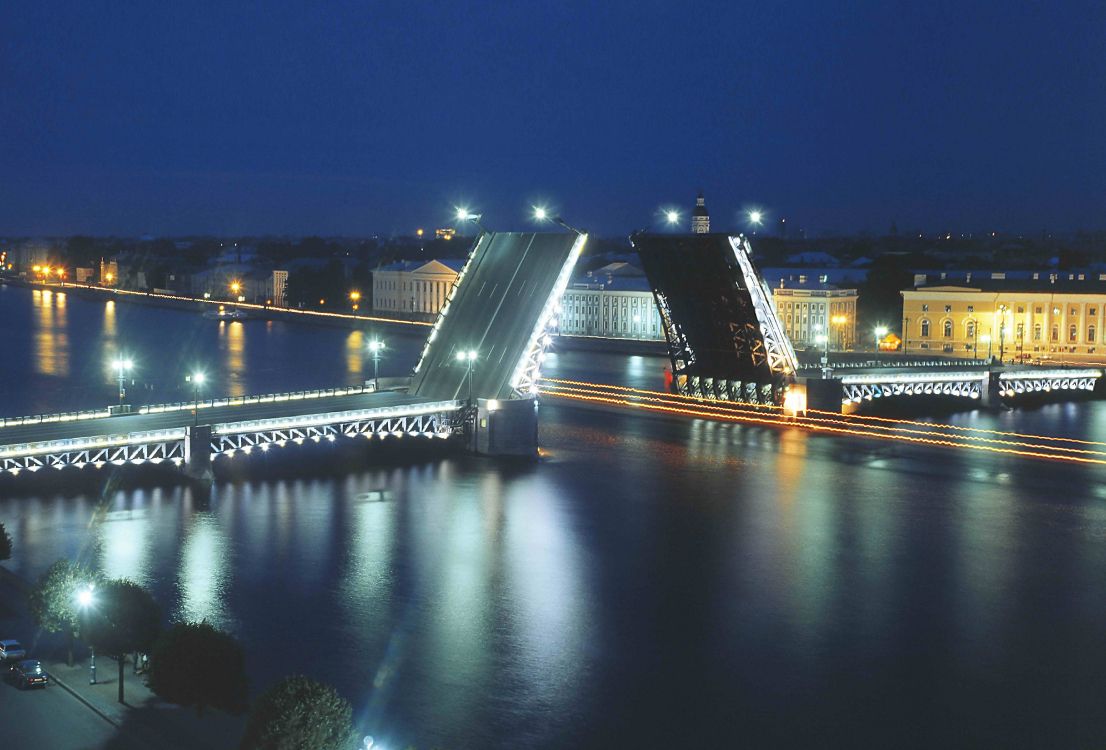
[498, 317]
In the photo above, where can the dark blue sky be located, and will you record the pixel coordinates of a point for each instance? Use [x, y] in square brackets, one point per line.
[280, 117]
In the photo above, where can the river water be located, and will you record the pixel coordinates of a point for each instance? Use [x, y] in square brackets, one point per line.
[651, 582]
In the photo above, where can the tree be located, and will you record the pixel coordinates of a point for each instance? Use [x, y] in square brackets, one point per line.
[122, 619]
[879, 296]
[299, 714]
[53, 600]
[193, 664]
[5, 544]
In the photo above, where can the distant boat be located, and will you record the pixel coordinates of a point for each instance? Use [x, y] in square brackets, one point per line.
[224, 313]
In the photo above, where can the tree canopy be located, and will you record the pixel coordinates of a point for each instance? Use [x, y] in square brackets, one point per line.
[299, 713]
[123, 618]
[194, 664]
[53, 600]
[5, 544]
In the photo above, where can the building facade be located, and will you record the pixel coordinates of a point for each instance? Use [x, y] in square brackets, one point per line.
[1054, 316]
[809, 307]
[614, 301]
[414, 286]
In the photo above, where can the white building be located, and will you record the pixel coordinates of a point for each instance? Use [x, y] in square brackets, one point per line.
[278, 288]
[809, 307]
[614, 301]
[414, 286]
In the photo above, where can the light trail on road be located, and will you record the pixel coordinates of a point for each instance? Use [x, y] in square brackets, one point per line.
[852, 418]
[657, 401]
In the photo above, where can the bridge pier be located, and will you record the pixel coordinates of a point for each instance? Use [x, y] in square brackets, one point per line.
[990, 393]
[197, 453]
[505, 428]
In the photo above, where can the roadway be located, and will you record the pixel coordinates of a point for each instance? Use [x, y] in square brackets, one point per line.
[494, 311]
[124, 424]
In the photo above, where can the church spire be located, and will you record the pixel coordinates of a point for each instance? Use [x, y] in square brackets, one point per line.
[700, 219]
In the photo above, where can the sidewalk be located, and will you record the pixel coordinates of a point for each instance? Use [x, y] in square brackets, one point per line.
[145, 720]
[145, 717]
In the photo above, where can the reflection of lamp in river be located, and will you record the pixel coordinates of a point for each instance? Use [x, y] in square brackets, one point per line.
[123, 366]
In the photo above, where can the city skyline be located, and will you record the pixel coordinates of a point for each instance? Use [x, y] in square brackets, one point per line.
[237, 121]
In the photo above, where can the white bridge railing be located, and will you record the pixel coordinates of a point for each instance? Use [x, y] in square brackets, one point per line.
[211, 403]
[1013, 384]
[859, 388]
[429, 420]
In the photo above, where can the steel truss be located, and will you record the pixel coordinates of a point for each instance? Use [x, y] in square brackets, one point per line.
[777, 347]
[1014, 384]
[444, 421]
[859, 388]
[527, 372]
[136, 448]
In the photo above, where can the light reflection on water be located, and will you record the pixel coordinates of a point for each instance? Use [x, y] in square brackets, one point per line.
[51, 335]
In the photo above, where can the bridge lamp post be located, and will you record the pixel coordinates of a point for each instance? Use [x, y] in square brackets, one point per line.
[1002, 331]
[197, 380]
[85, 600]
[123, 366]
[986, 339]
[880, 332]
[376, 347]
[542, 214]
[355, 298]
[463, 215]
[468, 356]
[839, 321]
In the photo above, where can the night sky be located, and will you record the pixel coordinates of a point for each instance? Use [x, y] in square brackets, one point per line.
[376, 117]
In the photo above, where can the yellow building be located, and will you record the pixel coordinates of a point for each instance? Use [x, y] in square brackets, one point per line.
[808, 308]
[1049, 317]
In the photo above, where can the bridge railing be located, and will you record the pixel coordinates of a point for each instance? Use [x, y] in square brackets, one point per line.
[266, 398]
[64, 416]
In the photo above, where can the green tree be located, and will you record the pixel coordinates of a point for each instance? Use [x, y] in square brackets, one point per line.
[299, 714]
[193, 664]
[879, 297]
[123, 618]
[5, 544]
[53, 600]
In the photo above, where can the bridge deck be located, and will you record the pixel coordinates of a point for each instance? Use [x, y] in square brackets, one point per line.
[125, 424]
[501, 303]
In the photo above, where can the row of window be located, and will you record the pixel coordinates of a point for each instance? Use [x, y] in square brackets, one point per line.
[1092, 310]
[1019, 331]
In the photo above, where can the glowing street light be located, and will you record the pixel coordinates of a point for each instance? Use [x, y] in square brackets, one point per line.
[376, 347]
[122, 367]
[355, 297]
[672, 217]
[85, 600]
[756, 218]
[542, 214]
[468, 356]
[463, 215]
[880, 332]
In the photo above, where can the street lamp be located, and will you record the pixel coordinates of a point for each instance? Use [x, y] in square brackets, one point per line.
[1001, 331]
[756, 218]
[463, 214]
[986, 339]
[468, 356]
[85, 600]
[197, 380]
[355, 297]
[880, 332]
[123, 366]
[542, 214]
[672, 217]
[376, 347]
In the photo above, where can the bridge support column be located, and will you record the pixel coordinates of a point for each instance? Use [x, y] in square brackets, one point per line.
[989, 396]
[823, 394]
[197, 453]
[506, 428]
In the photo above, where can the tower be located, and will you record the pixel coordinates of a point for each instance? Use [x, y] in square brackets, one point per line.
[700, 219]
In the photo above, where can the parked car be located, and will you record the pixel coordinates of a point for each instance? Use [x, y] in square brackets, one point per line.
[28, 674]
[11, 651]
